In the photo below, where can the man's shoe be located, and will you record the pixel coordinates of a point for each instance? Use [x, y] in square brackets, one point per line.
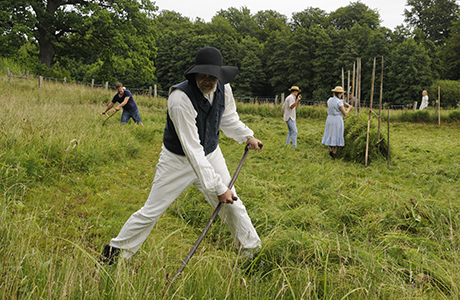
[109, 255]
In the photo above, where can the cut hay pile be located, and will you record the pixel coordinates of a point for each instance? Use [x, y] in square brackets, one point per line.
[356, 135]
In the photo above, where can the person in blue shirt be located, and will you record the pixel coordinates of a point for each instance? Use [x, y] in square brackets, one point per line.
[334, 128]
[126, 100]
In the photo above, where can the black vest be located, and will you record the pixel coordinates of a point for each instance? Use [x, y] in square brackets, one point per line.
[207, 120]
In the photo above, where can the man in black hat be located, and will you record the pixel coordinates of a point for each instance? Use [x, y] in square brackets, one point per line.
[197, 109]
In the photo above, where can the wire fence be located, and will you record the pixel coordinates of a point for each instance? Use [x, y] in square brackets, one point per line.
[152, 91]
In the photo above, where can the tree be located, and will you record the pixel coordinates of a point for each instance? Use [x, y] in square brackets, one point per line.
[270, 21]
[409, 72]
[251, 76]
[355, 13]
[15, 22]
[54, 21]
[433, 17]
[309, 17]
[275, 61]
[450, 53]
[241, 20]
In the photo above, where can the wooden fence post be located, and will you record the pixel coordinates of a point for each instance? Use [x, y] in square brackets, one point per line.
[439, 105]
[155, 95]
[9, 75]
[415, 105]
[276, 100]
[106, 85]
[92, 84]
[65, 81]
[27, 75]
[150, 91]
[40, 81]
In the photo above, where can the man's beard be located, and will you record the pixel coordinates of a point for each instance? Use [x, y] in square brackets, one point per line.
[209, 91]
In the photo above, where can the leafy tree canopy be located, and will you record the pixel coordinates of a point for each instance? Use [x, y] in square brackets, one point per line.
[433, 17]
[346, 17]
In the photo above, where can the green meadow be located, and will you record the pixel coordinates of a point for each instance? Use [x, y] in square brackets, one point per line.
[331, 229]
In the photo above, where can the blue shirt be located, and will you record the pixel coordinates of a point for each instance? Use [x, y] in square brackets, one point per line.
[333, 106]
[131, 105]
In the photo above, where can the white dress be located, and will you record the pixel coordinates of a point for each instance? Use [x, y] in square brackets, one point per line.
[334, 129]
[424, 102]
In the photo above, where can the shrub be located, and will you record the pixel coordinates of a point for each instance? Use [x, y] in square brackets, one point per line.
[454, 116]
[356, 138]
[450, 92]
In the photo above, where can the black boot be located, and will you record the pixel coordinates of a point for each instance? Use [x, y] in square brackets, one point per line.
[109, 255]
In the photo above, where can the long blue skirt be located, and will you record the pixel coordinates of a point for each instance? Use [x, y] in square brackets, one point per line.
[333, 131]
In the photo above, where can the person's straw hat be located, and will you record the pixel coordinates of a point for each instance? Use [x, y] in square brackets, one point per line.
[338, 89]
[294, 88]
[208, 60]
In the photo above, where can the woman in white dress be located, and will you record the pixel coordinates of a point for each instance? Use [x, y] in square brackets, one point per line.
[333, 131]
[424, 100]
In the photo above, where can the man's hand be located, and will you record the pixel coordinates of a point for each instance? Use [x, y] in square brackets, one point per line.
[227, 197]
[103, 113]
[254, 143]
[117, 108]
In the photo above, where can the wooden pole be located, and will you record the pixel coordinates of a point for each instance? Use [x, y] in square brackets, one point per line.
[353, 84]
[439, 105]
[348, 86]
[370, 114]
[359, 87]
[380, 102]
[388, 138]
[343, 84]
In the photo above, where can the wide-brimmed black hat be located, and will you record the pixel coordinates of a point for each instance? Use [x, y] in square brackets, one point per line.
[208, 60]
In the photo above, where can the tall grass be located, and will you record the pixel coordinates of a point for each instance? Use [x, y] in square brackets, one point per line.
[331, 229]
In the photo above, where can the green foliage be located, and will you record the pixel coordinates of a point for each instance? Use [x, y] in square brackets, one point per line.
[417, 116]
[450, 92]
[128, 41]
[357, 129]
[450, 53]
[6, 63]
[345, 18]
[310, 16]
[434, 18]
[408, 72]
[454, 115]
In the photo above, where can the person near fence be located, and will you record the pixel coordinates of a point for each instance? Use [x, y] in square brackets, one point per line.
[289, 115]
[424, 103]
[334, 128]
[197, 108]
[126, 101]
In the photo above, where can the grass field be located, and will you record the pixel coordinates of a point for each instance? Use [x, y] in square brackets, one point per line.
[331, 229]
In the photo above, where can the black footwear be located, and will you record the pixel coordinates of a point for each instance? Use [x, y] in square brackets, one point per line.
[109, 255]
[332, 154]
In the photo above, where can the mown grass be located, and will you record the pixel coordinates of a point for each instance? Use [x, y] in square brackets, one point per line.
[331, 229]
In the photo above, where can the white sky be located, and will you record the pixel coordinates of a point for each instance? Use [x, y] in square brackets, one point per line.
[391, 11]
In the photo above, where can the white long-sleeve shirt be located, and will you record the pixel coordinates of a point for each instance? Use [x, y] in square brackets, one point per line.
[183, 115]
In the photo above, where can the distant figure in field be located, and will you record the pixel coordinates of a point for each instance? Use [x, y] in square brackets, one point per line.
[424, 100]
[333, 131]
[289, 108]
[126, 100]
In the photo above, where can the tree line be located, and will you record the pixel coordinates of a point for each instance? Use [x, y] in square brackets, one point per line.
[133, 42]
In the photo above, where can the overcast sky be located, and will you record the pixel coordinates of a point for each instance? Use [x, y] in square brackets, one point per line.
[391, 11]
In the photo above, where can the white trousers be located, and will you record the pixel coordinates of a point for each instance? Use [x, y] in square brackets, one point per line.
[173, 175]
